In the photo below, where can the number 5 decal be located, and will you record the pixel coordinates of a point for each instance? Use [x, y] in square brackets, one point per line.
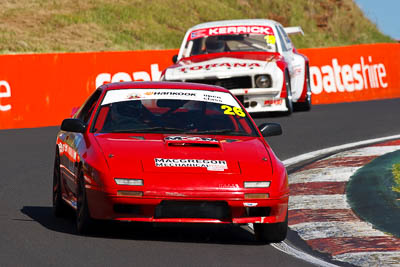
[228, 110]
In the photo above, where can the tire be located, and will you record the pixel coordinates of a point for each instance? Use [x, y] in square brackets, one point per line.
[271, 232]
[288, 99]
[60, 208]
[306, 105]
[84, 223]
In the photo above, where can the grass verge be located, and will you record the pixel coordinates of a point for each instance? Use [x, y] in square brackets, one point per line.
[396, 177]
[104, 25]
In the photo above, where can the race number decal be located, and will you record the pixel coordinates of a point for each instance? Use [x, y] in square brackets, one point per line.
[228, 110]
[270, 39]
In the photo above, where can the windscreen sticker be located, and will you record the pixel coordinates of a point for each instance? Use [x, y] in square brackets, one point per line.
[211, 165]
[190, 138]
[114, 96]
[228, 110]
[224, 30]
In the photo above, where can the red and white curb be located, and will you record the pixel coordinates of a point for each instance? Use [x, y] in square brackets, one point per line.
[320, 214]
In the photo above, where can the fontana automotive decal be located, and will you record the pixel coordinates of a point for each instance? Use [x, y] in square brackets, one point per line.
[220, 65]
[5, 92]
[190, 138]
[348, 78]
[211, 165]
[254, 29]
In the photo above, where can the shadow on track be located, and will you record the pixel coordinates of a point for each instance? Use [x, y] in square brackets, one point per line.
[167, 232]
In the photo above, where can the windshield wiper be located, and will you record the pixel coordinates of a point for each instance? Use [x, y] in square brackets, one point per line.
[150, 129]
[221, 131]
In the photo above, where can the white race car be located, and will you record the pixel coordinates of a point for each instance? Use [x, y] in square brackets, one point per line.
[254, 59]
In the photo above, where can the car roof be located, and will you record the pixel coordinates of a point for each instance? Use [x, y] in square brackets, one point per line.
[161, 85]
[265, 22]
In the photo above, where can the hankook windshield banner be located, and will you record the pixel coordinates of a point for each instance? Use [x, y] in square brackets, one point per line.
[39, 90]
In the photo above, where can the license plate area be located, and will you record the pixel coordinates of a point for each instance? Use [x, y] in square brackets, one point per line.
[192, 209]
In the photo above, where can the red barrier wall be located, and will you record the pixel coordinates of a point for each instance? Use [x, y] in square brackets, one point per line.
[354, 73]
[41, 89]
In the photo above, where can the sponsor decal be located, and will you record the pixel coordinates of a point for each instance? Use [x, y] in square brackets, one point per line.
[348, 78]
[228, 186]
[219, 65]
[66, 149]
[175, 93]
[270, 102]
[211, 165]
[190, 138]
[214, 31]
[115, 96]
[5, 92]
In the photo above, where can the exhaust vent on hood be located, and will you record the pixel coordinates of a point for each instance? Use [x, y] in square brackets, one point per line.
[189, 144]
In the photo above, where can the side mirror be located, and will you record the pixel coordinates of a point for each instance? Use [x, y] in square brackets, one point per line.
[73, 125]
[270, 129]
[175, 58]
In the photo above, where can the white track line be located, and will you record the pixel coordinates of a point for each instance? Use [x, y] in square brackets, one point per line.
[285, 247]
[367, 151]
[321, 152]
[333, 174]
[318, 202]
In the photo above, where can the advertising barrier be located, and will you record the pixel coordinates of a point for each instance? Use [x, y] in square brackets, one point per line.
[354, 73]
[39, 90]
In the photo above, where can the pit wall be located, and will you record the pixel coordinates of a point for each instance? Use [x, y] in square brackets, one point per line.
[39, 90]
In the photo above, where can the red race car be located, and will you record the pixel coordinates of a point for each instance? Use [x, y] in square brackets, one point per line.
[169, 152]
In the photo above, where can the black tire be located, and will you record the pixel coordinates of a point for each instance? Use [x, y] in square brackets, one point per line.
[288, 99]
[60, 208]
[271, 232]
[84, 223]
[306, 105]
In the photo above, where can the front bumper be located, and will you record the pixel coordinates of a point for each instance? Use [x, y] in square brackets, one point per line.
[144, 209]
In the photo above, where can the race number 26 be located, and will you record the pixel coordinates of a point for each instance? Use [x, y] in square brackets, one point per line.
[4, 94]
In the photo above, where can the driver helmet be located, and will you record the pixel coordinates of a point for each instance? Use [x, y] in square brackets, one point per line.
[214, 45]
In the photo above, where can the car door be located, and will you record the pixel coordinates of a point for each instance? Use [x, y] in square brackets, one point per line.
[296, 63]
[76, 140]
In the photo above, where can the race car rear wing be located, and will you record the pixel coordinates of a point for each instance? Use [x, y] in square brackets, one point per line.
[294, 30]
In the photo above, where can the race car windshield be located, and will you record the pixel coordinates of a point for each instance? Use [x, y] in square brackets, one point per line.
[232, 43]
[171, 111]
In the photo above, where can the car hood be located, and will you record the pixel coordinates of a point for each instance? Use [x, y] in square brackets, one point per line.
[222, 65]
[157, 155]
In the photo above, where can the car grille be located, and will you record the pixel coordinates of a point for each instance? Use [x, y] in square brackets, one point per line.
[193, 209]
[228, 83]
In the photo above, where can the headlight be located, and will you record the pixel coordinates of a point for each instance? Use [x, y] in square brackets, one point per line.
[122, 181]
[260, 184]
[263, 81]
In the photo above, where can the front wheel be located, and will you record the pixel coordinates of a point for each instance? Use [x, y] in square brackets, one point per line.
[288, 99]
[59, 206]
[271, 232]
[84, 222]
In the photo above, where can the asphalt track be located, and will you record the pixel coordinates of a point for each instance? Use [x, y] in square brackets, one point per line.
[31, 236]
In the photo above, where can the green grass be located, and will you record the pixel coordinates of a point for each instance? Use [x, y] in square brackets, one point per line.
[396, 176]
[103, 25]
